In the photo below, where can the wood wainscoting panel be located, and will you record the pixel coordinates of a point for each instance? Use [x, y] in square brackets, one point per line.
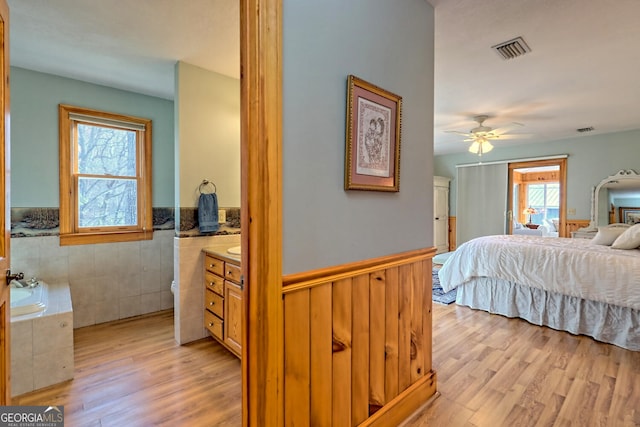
[321, 354]
[377, 319]
[359, 343]
[452, 233]
[391, 328]
[341, 349]
[404, 327]
[296, 355]
[574, 225]
[360, 362]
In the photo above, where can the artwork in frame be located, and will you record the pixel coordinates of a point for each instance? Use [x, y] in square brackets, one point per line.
[630, 215]
[372, 154]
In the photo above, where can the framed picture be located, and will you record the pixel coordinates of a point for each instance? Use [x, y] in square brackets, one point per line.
[629, 215]
[372, 154]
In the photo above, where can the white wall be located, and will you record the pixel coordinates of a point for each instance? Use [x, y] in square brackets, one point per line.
[207, 124]
[389, 44]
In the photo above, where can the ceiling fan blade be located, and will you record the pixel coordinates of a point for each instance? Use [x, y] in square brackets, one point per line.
[458, 132]
[507, 128]
[516, 136]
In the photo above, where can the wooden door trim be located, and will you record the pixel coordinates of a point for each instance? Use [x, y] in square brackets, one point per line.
[5, 215]
[562, 178]
[261, 213]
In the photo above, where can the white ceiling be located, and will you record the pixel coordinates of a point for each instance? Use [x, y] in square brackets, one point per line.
[582, 69]
[127, 44]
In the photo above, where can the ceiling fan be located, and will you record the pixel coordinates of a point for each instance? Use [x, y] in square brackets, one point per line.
[481, 135]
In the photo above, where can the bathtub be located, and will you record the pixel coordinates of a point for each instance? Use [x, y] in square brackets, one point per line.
[41, 336]
[29, 300]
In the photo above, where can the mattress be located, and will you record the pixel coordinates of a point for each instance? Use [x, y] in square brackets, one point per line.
[572, 267]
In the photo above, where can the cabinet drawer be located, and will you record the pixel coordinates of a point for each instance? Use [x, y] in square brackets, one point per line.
[214, 283]
[214, 265]
[214, 303]
[213, 324]
[233, 272]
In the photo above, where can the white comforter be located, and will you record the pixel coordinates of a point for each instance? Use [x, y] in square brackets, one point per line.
[568, 266]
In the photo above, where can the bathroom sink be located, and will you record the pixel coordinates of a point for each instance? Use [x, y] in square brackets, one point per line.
[236, 250]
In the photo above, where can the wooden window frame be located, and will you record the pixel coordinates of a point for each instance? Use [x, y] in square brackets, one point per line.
[70, 232]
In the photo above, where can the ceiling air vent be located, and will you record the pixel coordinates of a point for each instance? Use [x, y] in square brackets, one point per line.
[512, 48]
[587, 129]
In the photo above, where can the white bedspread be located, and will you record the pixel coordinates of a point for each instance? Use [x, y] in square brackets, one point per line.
[572, 267]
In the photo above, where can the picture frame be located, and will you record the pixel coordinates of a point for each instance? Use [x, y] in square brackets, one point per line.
[373, 136]
[629, 215]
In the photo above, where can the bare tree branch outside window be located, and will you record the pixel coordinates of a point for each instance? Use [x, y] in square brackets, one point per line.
[107, 180]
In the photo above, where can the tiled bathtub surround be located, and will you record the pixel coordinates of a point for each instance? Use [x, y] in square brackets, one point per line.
[112, 281]
[42, 346]
[108, 281]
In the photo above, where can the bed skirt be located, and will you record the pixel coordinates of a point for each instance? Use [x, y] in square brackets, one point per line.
[607, 323]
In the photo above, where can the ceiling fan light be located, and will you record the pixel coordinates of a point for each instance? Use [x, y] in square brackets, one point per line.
[486, 147]
[475, 147]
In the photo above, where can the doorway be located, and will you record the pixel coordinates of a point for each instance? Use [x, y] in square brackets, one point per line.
[537, 196]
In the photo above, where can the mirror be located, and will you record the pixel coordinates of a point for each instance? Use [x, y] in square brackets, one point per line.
[616, 199]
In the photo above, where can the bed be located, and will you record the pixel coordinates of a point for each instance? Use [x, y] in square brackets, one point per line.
[566, 284]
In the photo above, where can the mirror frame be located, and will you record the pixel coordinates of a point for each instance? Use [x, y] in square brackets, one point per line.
[621, 175]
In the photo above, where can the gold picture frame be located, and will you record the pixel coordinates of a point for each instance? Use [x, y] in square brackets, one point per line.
[373, 136]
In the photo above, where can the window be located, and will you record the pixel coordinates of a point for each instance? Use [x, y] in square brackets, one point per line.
[105, 177]
[545, 198]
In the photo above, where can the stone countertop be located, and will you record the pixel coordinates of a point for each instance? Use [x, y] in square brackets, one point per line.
[220, 251]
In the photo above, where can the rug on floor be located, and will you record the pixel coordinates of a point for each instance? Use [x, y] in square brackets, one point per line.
[438, 295]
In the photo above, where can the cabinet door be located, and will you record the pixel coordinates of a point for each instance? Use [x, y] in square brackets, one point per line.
[233, 317]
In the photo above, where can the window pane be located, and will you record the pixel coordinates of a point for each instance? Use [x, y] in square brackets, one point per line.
[107, 202]
[106, 151]
[545, 198]
[553, 195]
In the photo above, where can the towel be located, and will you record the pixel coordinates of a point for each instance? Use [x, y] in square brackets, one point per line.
[208, 213]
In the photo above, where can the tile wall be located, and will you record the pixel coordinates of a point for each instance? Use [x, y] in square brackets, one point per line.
[112, 281]
[108, 281]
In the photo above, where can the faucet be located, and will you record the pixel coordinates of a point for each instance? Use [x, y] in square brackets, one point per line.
[16, 277]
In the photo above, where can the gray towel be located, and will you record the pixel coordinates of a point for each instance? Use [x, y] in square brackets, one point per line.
[208, 213]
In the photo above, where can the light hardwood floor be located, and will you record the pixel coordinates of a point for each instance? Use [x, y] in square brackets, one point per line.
[132, 373]
[492, 371]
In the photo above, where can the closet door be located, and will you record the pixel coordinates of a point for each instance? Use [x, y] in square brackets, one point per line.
[441, 214]
[481, 201]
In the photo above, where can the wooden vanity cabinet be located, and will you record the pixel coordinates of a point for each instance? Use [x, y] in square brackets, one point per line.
[223, 306]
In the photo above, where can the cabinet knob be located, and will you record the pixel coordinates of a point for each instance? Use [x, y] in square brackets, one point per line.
[210, 283]
[229, 272]
[212, 303]
[210, 324]
[211, 265]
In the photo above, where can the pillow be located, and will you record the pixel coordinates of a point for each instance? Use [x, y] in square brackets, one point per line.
[607, 235]
[556, 223]
[630, 239]
[551, 225]
[517, 226]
